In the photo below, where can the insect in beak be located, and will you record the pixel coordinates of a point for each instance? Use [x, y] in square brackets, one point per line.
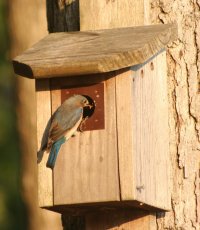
[88, 105]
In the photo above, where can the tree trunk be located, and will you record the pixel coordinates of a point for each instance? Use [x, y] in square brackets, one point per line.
[101, 14]
[27, 25]
[184, 81]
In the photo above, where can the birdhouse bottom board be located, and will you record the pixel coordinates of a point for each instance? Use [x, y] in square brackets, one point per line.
[124, 159]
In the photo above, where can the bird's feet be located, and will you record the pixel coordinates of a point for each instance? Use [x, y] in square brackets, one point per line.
[80, 128]
[74, 134]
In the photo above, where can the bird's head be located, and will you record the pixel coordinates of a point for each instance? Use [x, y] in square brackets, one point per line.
[83, 101]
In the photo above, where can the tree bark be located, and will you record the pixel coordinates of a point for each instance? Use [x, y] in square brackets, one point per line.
[184, 81]
[27, 21]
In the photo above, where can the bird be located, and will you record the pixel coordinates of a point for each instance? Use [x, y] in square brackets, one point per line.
[66, 120]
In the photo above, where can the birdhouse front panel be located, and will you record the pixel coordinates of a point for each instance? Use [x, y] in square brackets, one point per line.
[86, 169]
[88, 163]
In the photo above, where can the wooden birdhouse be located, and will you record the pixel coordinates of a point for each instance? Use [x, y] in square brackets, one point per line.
[121, 157]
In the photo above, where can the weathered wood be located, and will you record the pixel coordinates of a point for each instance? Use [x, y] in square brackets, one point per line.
[88, 163]
[151, 133]
[125, 109]
[144, 148]
[67, 54]
[103, 19]
[112, 14]
[140, 15]
[45, 186]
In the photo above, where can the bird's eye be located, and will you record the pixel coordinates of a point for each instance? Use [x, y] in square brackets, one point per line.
[84, 101]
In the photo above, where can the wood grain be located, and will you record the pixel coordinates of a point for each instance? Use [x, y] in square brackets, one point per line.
[151, 133]
[45, 186]
[143, 133]
[77, 53]
[125, 107]
[103, 18]
[86, 170]
[111, 14]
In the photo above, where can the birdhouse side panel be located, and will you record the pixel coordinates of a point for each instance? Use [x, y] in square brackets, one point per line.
[143, 133]
[45, 183]
[151, 132]
[86, 170]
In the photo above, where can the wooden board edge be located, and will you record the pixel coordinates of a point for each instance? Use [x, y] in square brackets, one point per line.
[158, 66]
[162, 63]
[45, 187]
[36, 68]
[125, 135]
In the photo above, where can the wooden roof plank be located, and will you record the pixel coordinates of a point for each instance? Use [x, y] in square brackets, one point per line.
[87, 52]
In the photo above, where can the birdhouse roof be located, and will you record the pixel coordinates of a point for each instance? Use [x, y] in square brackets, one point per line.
[87, 52]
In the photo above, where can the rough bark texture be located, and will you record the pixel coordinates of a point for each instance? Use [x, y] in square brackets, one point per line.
[27, 25]
[184, 97]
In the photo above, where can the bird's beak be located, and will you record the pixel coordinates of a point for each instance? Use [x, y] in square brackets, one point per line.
[88, 105]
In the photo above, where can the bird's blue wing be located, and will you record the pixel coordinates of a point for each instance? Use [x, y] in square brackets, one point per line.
[63, 121]
[69, 118]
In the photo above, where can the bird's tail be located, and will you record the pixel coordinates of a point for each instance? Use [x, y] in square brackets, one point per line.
[54, 152]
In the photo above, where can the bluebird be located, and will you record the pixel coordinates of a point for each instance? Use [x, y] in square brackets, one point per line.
[65, 122]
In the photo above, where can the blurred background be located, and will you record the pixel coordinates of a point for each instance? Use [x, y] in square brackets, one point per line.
[22, 23]
[12, 208]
